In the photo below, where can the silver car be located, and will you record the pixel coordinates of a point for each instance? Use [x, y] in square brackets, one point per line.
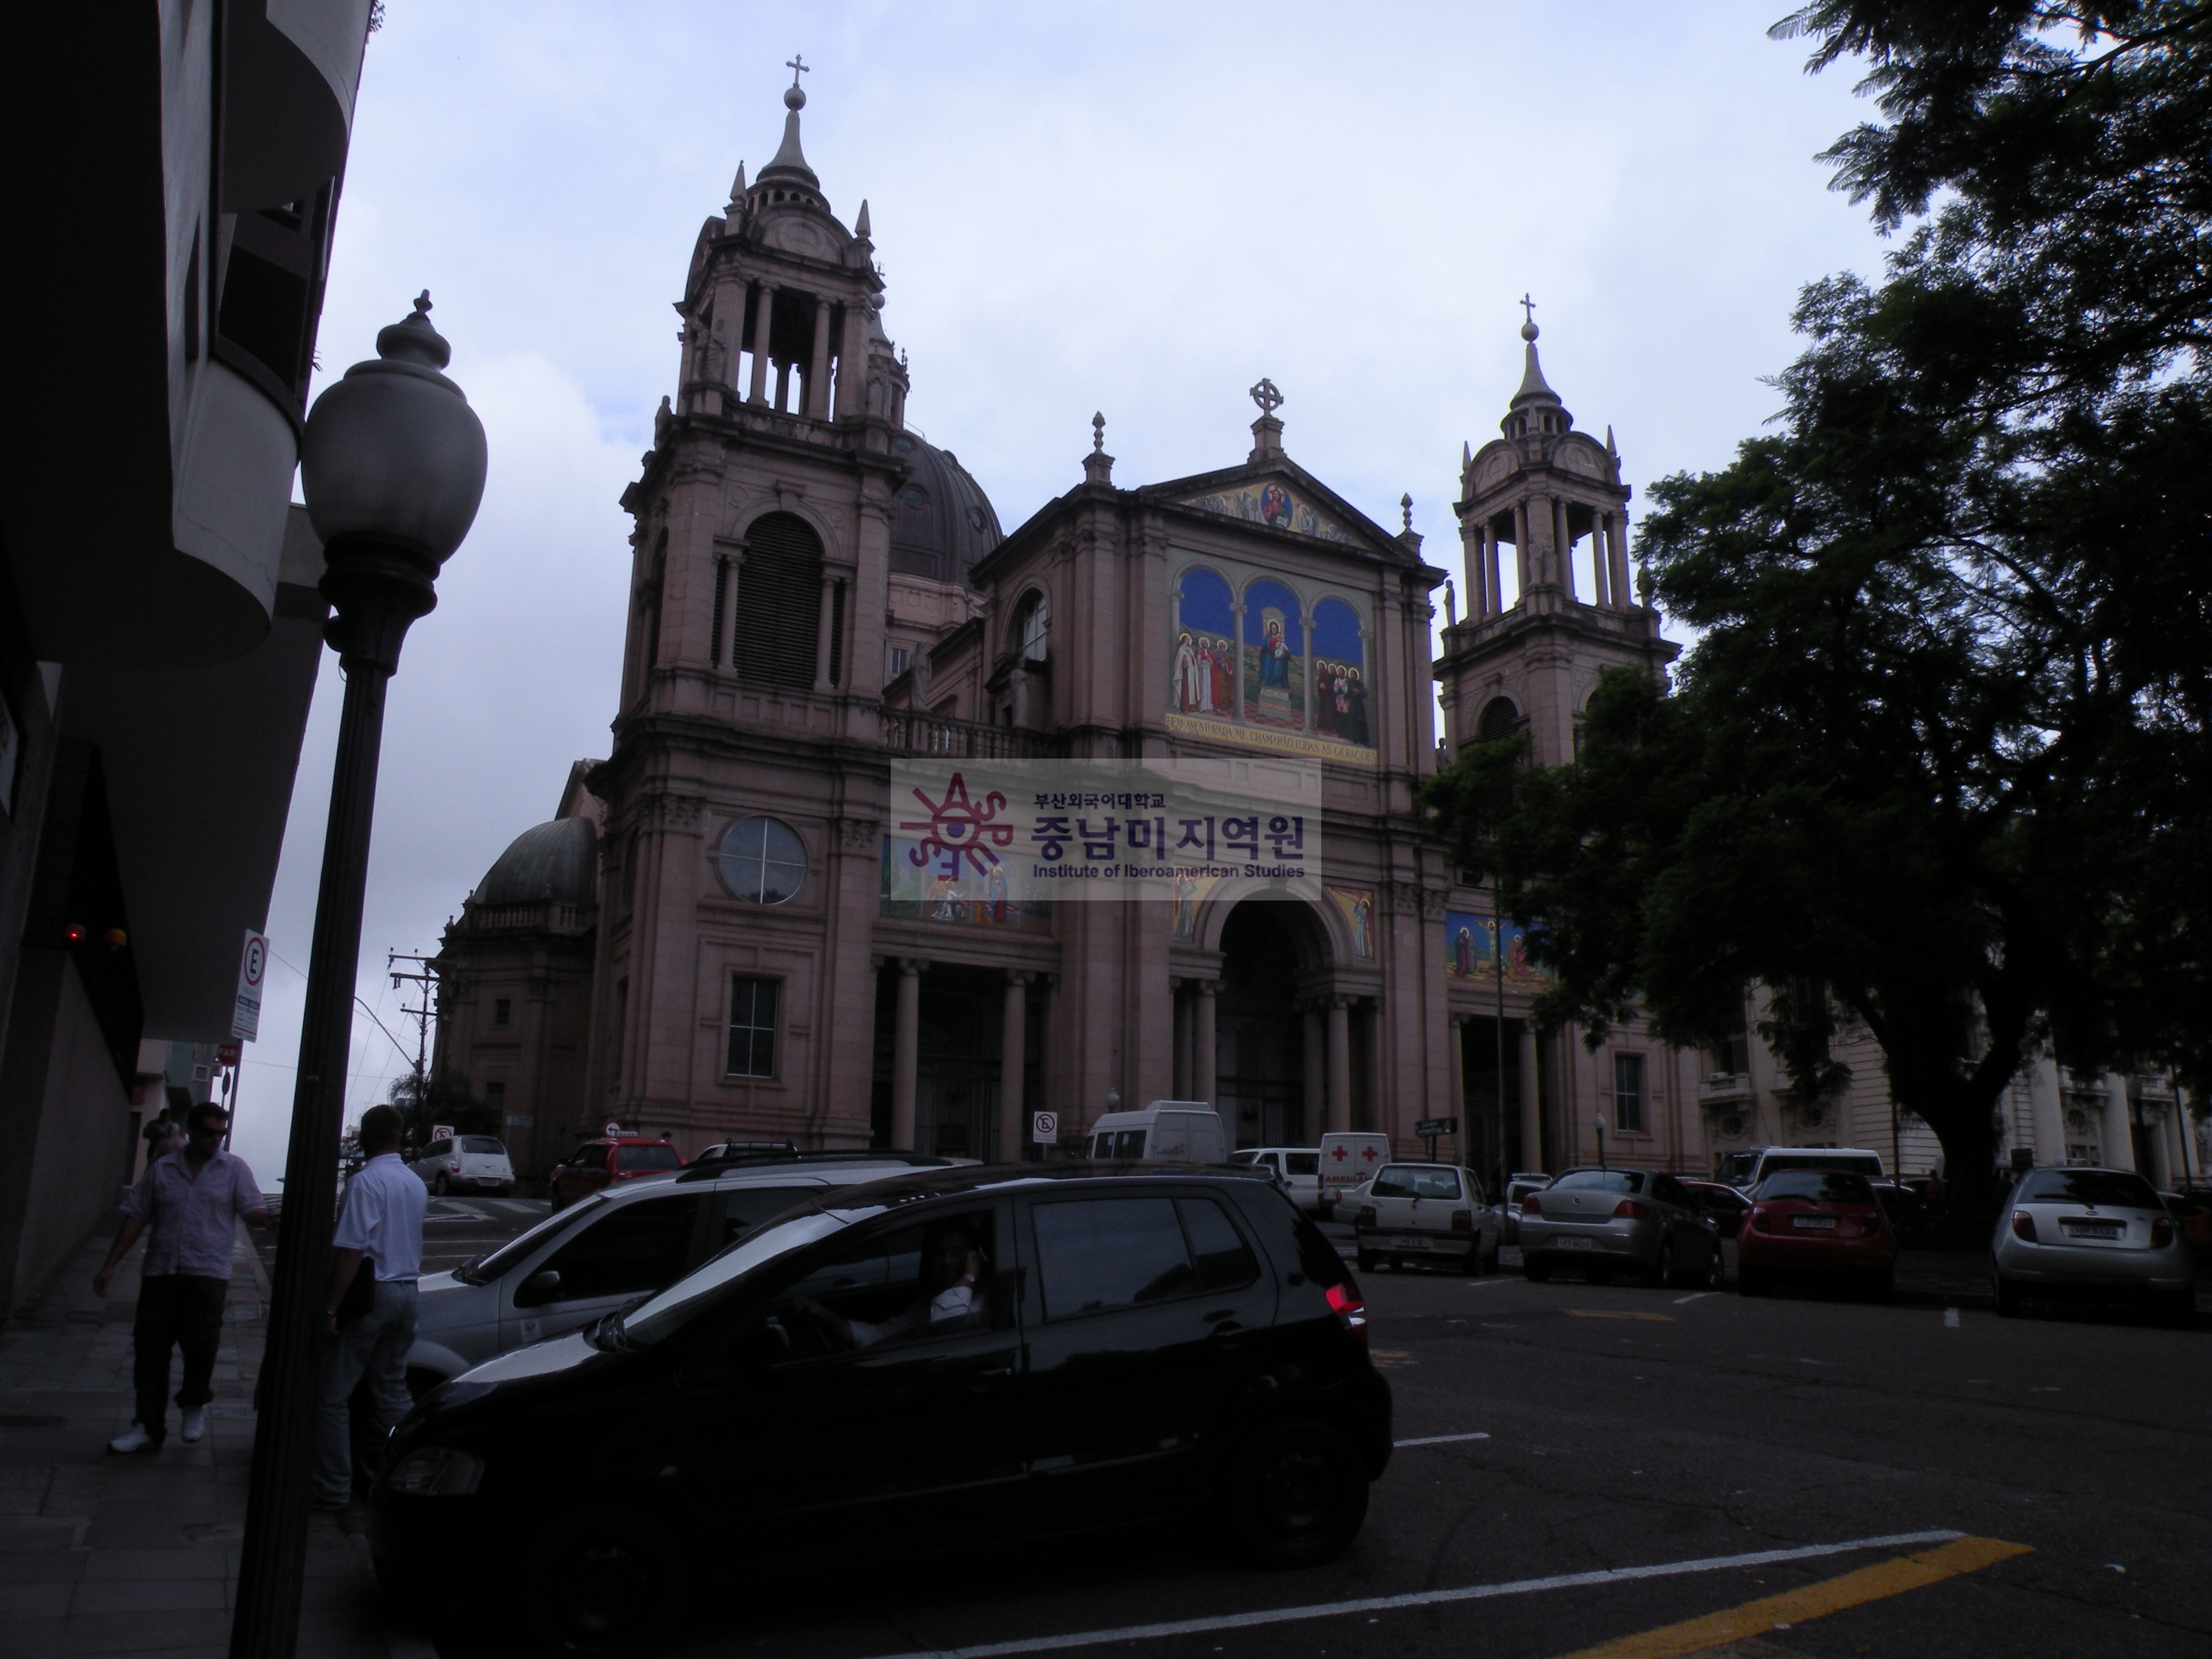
[2091, 1233]
[1609, 1221]
[610, 1248]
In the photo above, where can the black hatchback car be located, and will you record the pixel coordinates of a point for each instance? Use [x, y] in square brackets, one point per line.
[925, 1363]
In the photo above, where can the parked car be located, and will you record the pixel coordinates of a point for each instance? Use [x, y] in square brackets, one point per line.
[722, 1151]
[977, 1355]
[607, 1249]
[1610, 1221]
[2091, 1233]
[1426, 1212]
[1907, 1210]
[610, 1161]
[1726, 1205]
[1523, 1182]
[476, 1163]
[1297, 1170]
[1815, 1223]
[1165, 1131]
[1349, 1159]
[1745, 1170]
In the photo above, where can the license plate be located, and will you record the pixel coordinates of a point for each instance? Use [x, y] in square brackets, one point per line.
[1403, 1242]
[2090, 1229]
[1827, 1223]
[1578, 1244]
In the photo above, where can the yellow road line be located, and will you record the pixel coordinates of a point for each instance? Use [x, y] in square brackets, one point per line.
[1594, 1313]
[1874, 1584]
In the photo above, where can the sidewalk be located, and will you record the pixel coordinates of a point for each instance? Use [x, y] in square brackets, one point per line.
[101, 1553]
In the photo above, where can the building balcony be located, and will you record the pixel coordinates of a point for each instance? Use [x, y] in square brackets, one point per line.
[1725, 1089]
[546, 916]
[909, 732]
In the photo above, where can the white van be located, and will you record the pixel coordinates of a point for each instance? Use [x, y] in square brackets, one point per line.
[1165, 1131]
[1297, 1170]
[1746, 1170]
[1349, 1159]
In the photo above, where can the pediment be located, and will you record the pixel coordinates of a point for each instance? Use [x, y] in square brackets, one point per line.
[1275, 502]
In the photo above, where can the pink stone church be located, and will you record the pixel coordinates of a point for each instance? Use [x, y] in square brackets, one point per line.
[701, 943]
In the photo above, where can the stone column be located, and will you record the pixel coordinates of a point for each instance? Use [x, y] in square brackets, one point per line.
[905, 1051]
[2169, 1123]
[1563, 566]
[2047, 1109]
[852, 362]
[1237, 665]
[1522, 566]
[1455, 1060]
[1601, 567]
[1316, 1072]
[825, 627]
[1340, 1063]
[1013, 1032]
[1184, 1003]
[1305, 624]
[761, 318]
[1206, 1072]
[1532, 1107]
[1623, 593]
[2120, 1145]
[817, 365]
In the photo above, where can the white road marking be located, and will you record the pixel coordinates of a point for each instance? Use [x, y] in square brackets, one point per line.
[1440, 1439]
[1693, 1297]
[1423, 1598]
[1950, 1319]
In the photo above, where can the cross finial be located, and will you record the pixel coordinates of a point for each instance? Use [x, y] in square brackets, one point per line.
[1098, 434]
[1528, 308]
[422, 303]
[1267, 396]
[797, 65]
[1406, 506]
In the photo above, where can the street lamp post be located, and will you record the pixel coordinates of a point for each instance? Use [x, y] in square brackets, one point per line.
[392, 466]
[1599, 1122]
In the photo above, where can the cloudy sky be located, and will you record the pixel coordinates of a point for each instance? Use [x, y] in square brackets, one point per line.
[1136, 209]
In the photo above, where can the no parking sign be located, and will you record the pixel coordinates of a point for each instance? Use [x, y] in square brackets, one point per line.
[1044, 1128]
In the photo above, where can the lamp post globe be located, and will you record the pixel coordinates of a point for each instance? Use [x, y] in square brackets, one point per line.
[393, 466]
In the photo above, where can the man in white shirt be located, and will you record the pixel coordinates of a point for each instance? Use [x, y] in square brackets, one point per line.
[380, 1232]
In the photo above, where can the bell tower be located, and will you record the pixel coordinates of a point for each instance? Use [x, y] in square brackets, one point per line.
[1544, 501]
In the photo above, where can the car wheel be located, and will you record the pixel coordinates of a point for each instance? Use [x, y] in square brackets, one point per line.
[438, 1188]
[1663, 1271]
[1882, 1286]
[1297, 1494]
[421, 1380]
[1749, 1281]
[1473, 1265]
[1366, 1262]
[2008, 1297]
[1536, 1270]
[2179, 1309]
[601, 1581]
[1716, 1271]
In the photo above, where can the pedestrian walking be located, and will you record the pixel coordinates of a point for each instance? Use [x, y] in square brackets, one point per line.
[380, 1235]
[188, 1204]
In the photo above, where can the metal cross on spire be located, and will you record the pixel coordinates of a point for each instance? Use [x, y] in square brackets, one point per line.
[1528, 309]
[1267, 396]
[797, 65]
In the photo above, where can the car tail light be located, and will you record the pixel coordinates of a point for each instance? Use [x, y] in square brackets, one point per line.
[1462, 1221]
[2023, 1225]
[1530, 1207]
[1759, 1219]
[1630, 1210]
[1366, 1216]
[2161, 1233]
[1344, 1302]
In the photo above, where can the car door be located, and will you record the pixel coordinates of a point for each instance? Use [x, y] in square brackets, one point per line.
[1144, 1316]
[738, 1210]
[894, 1432]
[1696, 1238]
[624, 1251]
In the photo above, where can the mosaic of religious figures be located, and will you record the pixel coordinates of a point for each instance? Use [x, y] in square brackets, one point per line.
[1250, 652]
[1471, 949]
[1272, 504]
[909, 893]
[1358, 904]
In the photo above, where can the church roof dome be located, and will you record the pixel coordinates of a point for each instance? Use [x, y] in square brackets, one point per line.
[558, 861]
[943, 523]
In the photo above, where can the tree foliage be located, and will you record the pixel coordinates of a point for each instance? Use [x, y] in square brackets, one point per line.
[1941, 745]
[443, 1097]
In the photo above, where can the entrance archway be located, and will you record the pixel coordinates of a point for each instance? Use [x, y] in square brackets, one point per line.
[1260, 1032]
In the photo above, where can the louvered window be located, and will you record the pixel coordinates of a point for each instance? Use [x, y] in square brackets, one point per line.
[779, 602]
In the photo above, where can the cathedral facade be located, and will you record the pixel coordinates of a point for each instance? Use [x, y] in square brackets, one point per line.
[710, 945]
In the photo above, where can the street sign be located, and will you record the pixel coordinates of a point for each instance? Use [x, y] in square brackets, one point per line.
[225, 1054]
[1044, 1127]
[441, 1131]
[253, 968]
[1429, 1127]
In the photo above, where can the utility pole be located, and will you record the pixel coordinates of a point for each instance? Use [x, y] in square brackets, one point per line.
[424, 978]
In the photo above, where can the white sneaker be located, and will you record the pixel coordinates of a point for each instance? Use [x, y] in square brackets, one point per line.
[137, 1438]
[195, 1423]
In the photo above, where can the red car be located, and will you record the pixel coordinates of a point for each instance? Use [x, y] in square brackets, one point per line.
[609, 1159]
[1825, 1223]
[1726, 1205]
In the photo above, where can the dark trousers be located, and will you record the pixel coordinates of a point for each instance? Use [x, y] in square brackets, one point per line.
[181, 1310]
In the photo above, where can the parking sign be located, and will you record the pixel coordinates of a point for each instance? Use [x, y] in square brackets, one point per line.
[252, 967]
[1044, 1127]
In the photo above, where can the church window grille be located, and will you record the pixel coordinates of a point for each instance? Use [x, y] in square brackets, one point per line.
[752, 1026]
[1628, 1094]
[762, 860]
[1500, 718]
[779, 607]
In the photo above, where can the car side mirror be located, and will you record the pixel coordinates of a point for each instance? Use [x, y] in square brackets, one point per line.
[541, 1286]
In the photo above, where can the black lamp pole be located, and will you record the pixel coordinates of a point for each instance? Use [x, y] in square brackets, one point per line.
[392, 474]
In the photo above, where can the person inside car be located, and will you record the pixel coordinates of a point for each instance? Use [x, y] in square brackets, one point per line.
[953, 1296]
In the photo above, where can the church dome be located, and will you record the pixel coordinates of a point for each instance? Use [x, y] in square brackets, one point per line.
[943, 523]
[557, 861]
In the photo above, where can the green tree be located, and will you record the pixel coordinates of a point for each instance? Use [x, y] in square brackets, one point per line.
[443, 1097]
[1938, 758]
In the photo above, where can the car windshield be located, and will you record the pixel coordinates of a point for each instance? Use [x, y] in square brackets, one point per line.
[1813, 1160]
[483, 1145]
[1302, 1162]
[631, 1159]
[1415, 1180]
[2113, 1189]
[485, 1268]
[1817, 1187]
[1602, 1181]
[673, 1308]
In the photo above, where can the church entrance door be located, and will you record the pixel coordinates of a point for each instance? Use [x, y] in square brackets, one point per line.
[1259, 1033]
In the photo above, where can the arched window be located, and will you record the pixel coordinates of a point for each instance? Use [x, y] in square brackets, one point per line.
[1032, 627]
[1500, 718]
[779, 605]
